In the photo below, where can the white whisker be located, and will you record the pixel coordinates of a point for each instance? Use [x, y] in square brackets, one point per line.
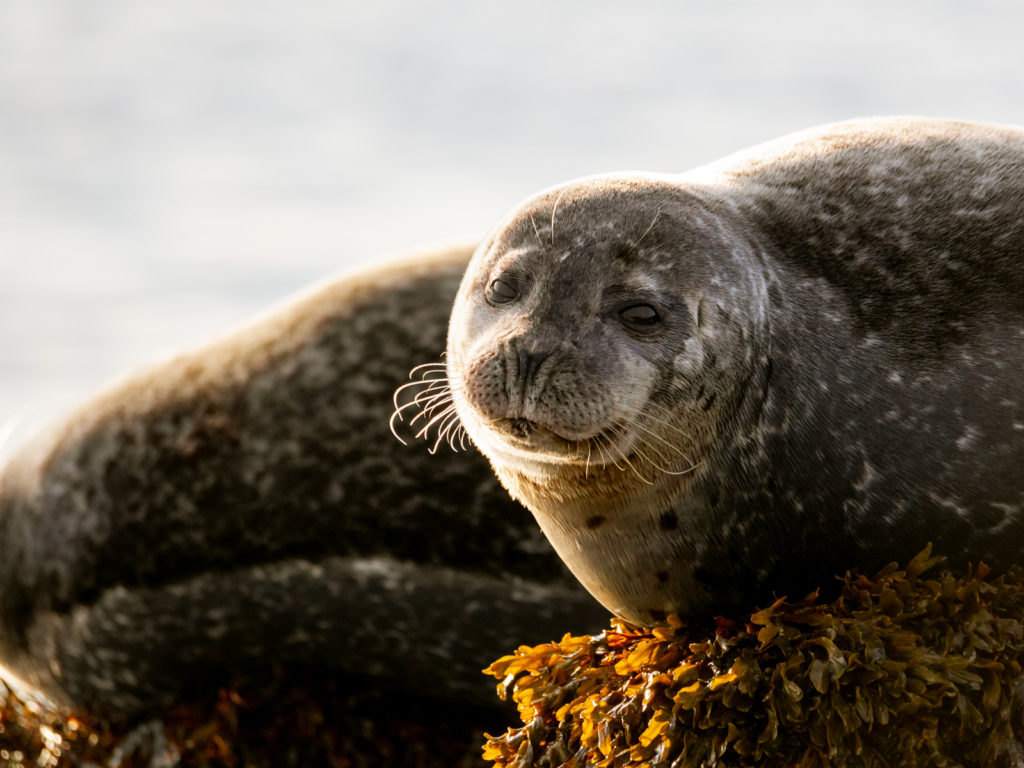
[432, 404]
[426, 427]
[618, 434]
[555, 208]
[646, 233]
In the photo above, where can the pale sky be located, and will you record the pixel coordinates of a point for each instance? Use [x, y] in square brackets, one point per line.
[169, 169]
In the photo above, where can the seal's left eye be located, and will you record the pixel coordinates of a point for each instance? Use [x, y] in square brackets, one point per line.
[501, 291]
[640, 317]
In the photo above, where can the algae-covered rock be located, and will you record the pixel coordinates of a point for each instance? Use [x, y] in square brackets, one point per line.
[902, 669]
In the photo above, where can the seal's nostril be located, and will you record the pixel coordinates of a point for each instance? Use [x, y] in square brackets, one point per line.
[529, 364]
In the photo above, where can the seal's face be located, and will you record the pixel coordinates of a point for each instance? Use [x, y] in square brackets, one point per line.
[593, 352]
[556, 348]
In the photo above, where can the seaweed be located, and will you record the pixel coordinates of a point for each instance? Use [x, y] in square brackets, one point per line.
[904, 668]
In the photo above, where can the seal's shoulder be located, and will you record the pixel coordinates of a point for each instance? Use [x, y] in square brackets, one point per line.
[889, 210]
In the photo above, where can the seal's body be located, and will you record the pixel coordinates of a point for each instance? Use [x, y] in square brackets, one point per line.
[745, 379]
[243, 505]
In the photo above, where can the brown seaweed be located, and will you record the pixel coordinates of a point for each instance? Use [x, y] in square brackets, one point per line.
[903, 669]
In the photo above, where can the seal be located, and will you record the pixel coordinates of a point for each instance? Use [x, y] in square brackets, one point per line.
[243, 504]
[742, 380]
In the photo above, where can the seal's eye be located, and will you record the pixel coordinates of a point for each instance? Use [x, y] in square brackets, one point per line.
[501, 291]
[640, 317]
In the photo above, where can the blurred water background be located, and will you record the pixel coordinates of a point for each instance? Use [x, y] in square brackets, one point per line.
[169, 169]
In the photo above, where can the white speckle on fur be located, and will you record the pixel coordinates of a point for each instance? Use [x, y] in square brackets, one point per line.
[691, 358]
[967, 440]
[950, 505]
[867, 477]
[1010, 514]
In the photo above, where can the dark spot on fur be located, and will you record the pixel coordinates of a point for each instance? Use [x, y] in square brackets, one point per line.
[668, 521]
[657, 614]
[713, 499]
[596, 521]
[709, 402]
[662, 576]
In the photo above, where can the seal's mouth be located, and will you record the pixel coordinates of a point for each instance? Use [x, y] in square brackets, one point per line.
[528, 436]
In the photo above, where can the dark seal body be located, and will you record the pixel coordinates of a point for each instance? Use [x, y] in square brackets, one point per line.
[743, 380]
[244, 505]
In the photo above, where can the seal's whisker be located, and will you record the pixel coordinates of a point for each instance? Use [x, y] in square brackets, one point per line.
[416, 404]
[399, 412]
[553, 209]
[453, 434]
[424, 366]
[431, 404]
[426, 413]
[661, 439]
[643, 459]
[425, 428]
[614, 451]
[669, 417]
[664, 470]
[649, 228]
[672, 428]
[457, 434]
[446, 424]
[639, 450]
[428, 397]
[432, 385]
[427, 407]
[535, 230]
[617, 431]
[391, 425]
[605, 458]
[444, 430]
[417, 383]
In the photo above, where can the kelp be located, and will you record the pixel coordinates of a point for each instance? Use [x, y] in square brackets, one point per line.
[912, 667]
